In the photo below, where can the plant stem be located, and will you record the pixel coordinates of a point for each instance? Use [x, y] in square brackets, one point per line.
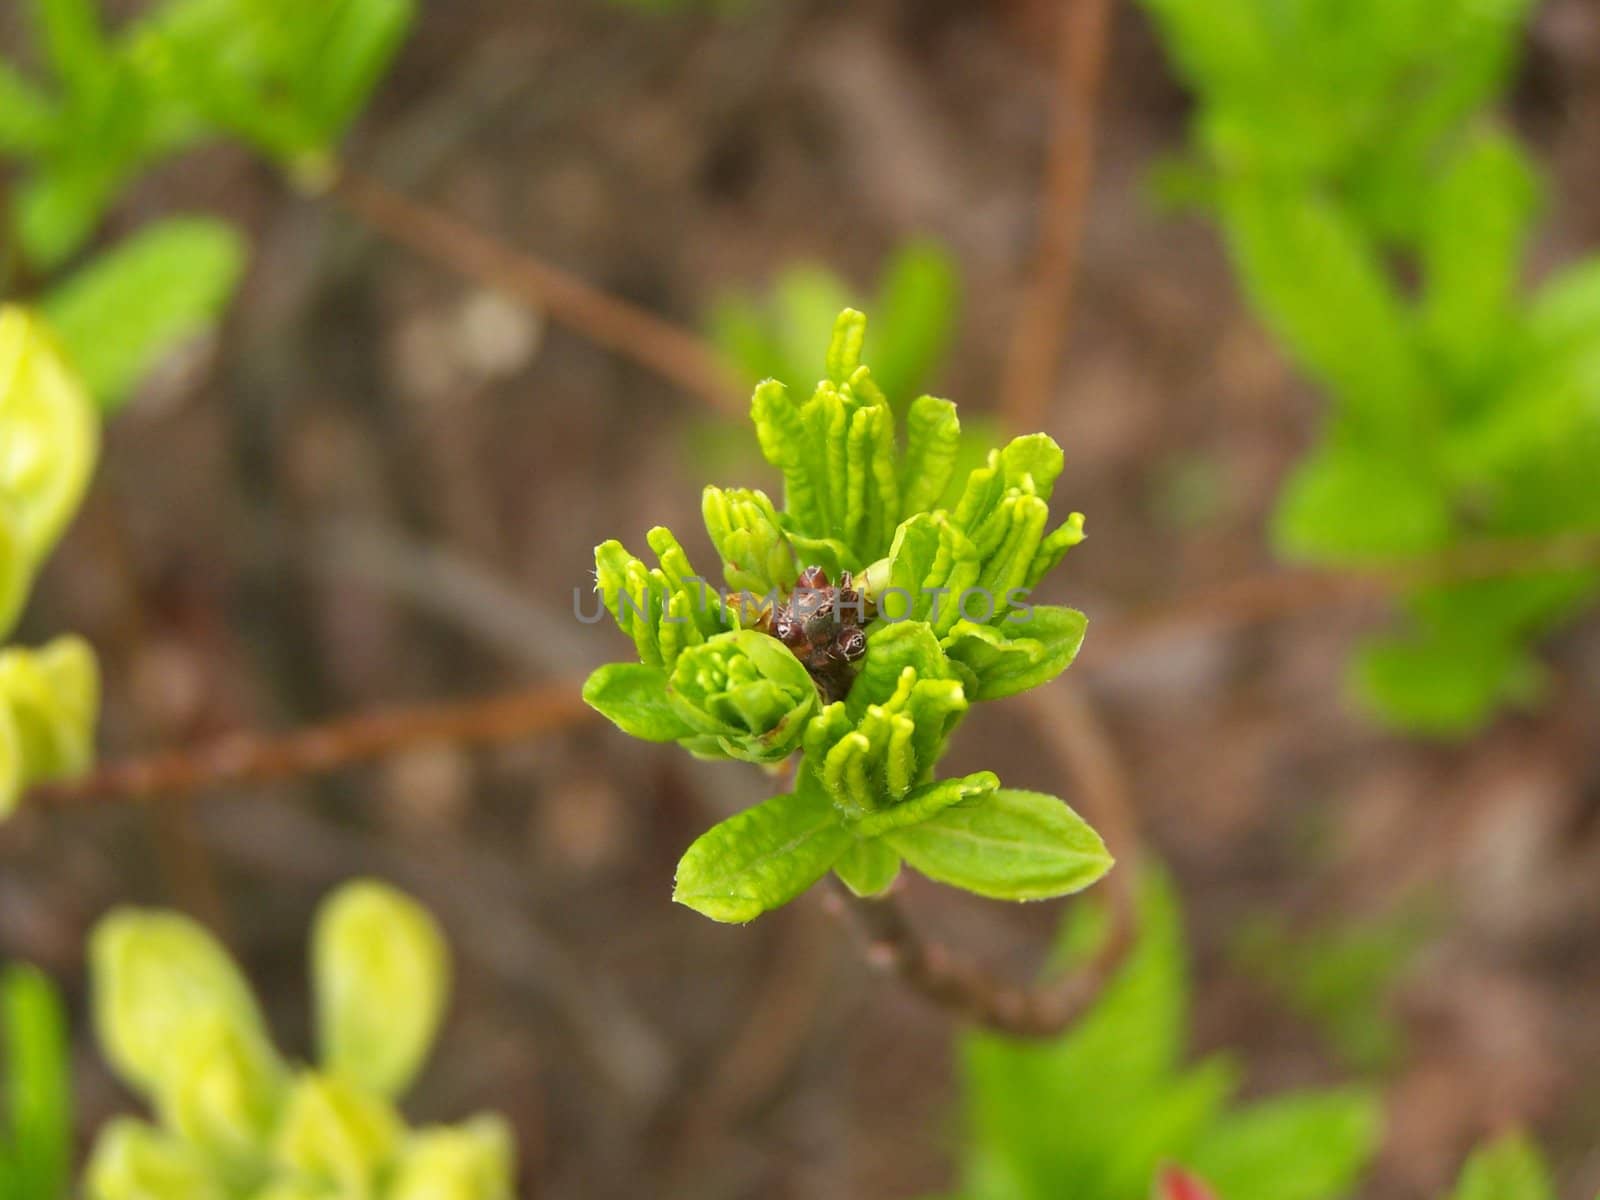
[969, 991]
[1069, 728]
[1041, 327]
[256, 758]
[668, 350]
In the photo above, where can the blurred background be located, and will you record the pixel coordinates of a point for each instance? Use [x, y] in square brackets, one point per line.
[380, 485]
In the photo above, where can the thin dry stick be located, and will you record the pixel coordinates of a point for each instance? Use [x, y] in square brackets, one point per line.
[254, 758]
[658, 345]
[1041, 328]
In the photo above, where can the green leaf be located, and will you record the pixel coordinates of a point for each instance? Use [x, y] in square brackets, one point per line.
[633, 697]
[744, 527]
[933, 448]
[118, 317]
[762, 858]
[1472, 253]
[73, 40]
[1015, 655]
[932, 565]
[475, 1161]
[869, 867]
[1509, 1169]
[925, 802]
[358, 42]
[57, 208]
[1440, 685]
[747, 692]
[1320, 284]
[336, 1134]
[1015, 845]
[1304, 1147]
[1345, 506]
[133, 1161]
[37, 1085]
[28, 122]
[381, 974]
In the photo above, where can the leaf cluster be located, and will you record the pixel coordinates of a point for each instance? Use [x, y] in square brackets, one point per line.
[180, 1025]
[284, 76]
[1378, 219]
[948, 625]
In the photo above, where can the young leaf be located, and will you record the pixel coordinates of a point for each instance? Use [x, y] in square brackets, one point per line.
[28, 123]
[121, 315]
[37, 1084]
[133, 1161]
[1472, 253]
[1015, 655]
[1346, 506]
[475, 1161]
[762, 858]
[869, 867]
[1307, 1147]
[336, 1134]
[381, 972]
[1510, 1169]
[1014, 845]
[1320, 283]
[633, 697]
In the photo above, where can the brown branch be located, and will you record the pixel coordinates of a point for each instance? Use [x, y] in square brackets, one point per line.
[1041, 328]
[658, 345]
[255, 758]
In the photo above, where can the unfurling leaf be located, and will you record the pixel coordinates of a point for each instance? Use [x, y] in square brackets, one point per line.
[49, 702]
[132, 1161]
[338, 1135]
[1030, 647]
[744, 695]
[474, 1161]
[1509, 1169]
[869, 867]
[156, 977]
[223, 1093]
[49, 438]
[1014, 845]
[744, 527]
[762, 858]
[665, 609]
[633, 697]
[381, 972]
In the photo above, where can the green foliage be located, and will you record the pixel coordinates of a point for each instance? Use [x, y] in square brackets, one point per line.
[87, 133]
[285, 76]
[123, 313]
[1095, 1114]
[917, 303]
[179, 1023]
[36, 1138]
[868, 681]
[1379, 223]
[1340, 977]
